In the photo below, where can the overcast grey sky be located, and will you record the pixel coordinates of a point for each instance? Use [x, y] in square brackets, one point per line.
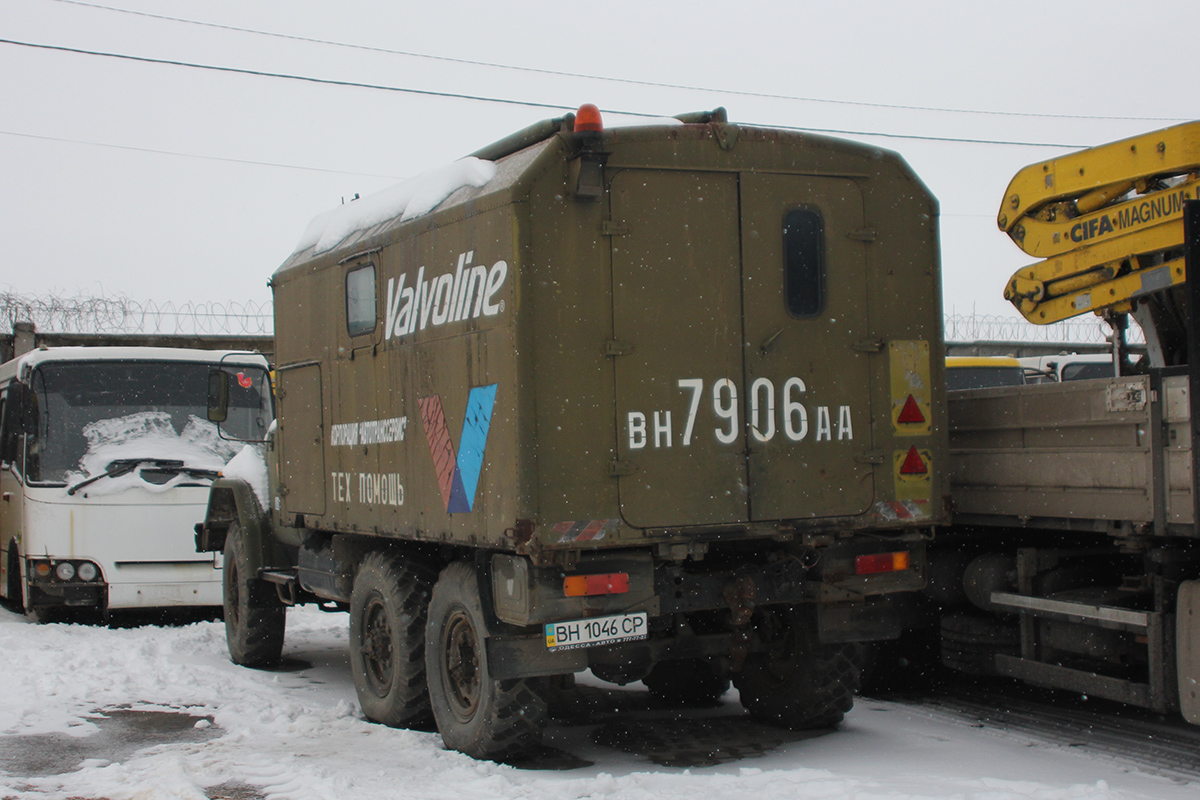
[170, 182]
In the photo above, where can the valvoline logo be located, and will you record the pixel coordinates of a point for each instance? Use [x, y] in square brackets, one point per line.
[458, 475]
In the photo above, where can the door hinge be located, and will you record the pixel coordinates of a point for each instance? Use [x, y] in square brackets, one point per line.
[868, 346]
[726, 134]
[861, 234]
[614, 348]
[870, 457]
[619, 469]
[610, 228]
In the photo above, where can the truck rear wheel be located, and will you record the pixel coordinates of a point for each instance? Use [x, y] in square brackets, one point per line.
[476, 714]
[798, 681]
[388, 607]
[254, 617]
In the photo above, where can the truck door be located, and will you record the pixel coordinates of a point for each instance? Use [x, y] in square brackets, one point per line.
[804, 290]
[301, 439]
[740, 346]
[677, 296]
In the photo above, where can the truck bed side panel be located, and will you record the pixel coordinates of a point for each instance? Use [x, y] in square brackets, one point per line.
[1081, 450]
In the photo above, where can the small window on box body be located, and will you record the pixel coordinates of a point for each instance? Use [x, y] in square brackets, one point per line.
[804, 262]
[360, 300]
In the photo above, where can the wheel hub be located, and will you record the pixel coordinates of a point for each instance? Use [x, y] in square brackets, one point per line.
[462, 664]
[377, 646]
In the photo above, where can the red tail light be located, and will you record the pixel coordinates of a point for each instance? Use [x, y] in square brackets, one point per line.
[881, 562]
[581, 585]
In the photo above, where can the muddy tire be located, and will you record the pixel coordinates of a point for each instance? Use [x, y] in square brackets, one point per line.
[388, 606]
[476, 714]
[254, 617]
[798, 682]
[693, 683]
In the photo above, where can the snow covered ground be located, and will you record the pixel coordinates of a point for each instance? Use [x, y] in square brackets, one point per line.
[298, 734]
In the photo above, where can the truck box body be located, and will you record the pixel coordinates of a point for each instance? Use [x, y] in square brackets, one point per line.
[544, 371]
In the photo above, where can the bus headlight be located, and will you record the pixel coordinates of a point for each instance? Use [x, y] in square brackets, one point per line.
[87, 571]
[64, 571]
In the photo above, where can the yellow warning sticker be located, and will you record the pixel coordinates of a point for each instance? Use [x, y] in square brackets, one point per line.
[912, 410]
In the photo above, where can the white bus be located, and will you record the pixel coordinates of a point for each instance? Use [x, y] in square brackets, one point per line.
[106, 456]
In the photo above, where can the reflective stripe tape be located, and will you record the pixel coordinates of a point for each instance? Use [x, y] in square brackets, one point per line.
[893, 510]
[585, 530]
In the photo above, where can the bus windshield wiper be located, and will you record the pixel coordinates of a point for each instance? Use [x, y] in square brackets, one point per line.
[123, 466]
[179, 468]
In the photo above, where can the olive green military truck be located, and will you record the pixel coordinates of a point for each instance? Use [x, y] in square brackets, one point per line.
[656, 402]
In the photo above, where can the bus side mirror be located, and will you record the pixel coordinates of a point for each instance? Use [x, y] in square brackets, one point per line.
[218, 395]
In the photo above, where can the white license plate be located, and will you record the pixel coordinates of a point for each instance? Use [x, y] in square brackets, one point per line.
[595, 631]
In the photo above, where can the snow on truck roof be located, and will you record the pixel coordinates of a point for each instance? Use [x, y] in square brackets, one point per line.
[417, 196]
[403, 201]
[424, 193]
[440, 188]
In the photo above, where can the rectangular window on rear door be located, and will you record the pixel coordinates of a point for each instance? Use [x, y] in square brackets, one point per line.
[804, 262]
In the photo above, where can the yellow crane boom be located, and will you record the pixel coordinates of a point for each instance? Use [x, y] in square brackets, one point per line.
[1108, 222]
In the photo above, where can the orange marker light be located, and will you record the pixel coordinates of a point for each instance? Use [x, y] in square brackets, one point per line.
[881, 562]
[587, 118]
[586, 585]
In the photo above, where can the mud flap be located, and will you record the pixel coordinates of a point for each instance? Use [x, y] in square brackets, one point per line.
[1187, 649]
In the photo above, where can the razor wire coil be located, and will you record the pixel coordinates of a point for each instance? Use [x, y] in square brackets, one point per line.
[116, 314]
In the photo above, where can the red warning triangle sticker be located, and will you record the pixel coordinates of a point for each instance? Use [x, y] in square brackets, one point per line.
[913, 463]
[911, 411]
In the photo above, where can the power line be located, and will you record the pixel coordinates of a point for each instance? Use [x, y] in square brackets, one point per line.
[281, 75]
[628, 81]
[192, 155]
[842, 132]
[483, 98]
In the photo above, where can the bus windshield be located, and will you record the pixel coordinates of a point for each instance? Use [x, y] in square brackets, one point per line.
[92, 414]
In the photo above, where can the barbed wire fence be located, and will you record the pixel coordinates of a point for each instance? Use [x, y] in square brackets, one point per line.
[996, 328]
[118, 314]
